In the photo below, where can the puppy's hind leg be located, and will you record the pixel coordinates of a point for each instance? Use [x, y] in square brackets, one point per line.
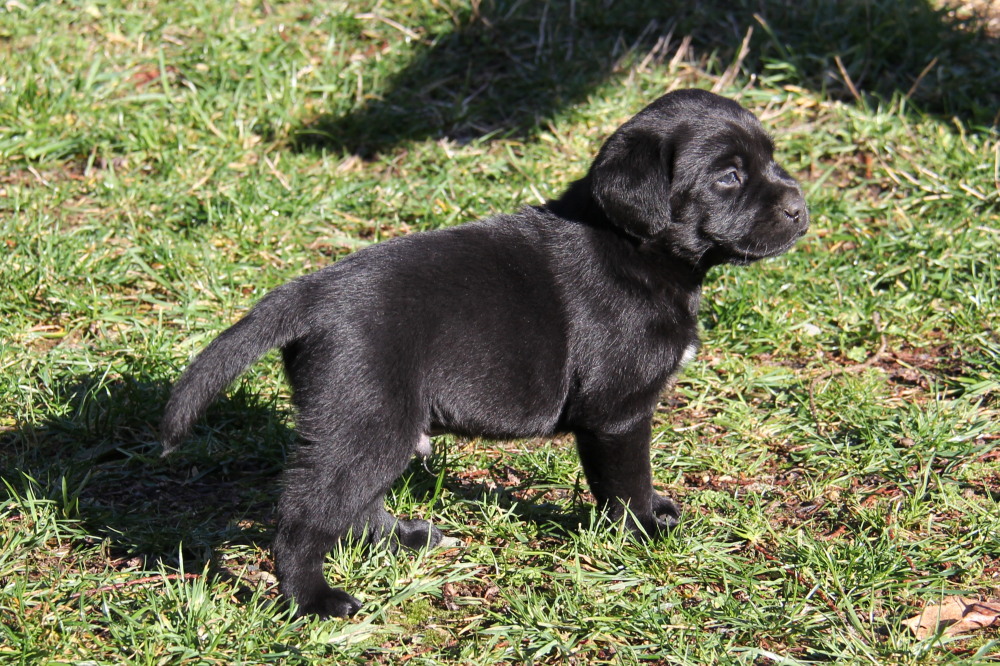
[335, 488]
[312, 516]
[299, 549]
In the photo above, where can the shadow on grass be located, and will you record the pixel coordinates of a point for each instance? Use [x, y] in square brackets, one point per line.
[510, 66]
[530, 499]
[100, 459]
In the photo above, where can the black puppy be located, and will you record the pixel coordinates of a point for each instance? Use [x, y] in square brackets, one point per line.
[567, 317]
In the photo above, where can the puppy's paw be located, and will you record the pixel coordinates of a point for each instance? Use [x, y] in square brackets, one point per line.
[666, 510]
[644, 528]
[330, 602]
[416, 534]
[664, 515]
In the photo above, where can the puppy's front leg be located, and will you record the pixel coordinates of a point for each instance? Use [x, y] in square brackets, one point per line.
[619, 473]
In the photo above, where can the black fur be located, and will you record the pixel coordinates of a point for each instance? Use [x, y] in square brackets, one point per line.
[567, 317]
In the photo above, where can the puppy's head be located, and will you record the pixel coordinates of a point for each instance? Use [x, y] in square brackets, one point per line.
[695, 173]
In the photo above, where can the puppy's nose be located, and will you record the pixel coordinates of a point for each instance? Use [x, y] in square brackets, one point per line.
[796, 214]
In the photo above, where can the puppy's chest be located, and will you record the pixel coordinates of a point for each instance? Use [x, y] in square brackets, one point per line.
[655, 358]
[678, 348]
[642, 341]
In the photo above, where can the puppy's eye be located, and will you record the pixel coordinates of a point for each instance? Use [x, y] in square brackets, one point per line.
[730, 178]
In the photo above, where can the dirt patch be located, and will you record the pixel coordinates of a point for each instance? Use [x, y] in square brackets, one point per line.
[984, 13]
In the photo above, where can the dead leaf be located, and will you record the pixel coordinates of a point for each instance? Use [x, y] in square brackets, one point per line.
[149, 74]
[448, 593]
[955, 615]
[144, 76]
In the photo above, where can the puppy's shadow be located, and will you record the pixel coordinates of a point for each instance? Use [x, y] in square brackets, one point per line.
[509, 67]
[98, 457]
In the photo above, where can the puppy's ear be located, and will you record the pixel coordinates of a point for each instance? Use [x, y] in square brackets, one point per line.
[630, 181]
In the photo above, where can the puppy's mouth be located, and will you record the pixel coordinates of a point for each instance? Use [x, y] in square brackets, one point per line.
[761, 248]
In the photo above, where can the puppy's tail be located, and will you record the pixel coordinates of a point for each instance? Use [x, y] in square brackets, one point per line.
[274, 322]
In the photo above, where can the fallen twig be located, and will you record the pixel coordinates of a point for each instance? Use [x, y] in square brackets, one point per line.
[130, 583]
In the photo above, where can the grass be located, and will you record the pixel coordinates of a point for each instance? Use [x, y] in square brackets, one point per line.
[163, 165]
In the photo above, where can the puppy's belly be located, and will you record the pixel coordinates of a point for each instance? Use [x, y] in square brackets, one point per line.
[497, 420]
[506, 397]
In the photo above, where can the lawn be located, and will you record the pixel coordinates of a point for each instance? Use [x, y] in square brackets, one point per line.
[165, 164]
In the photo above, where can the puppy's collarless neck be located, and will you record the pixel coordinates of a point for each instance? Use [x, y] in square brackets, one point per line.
[578, 206]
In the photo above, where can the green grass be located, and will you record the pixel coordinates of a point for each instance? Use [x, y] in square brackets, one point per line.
[163, 165]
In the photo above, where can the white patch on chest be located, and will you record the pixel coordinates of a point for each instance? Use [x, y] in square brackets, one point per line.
[423, 448]
[688, 356]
